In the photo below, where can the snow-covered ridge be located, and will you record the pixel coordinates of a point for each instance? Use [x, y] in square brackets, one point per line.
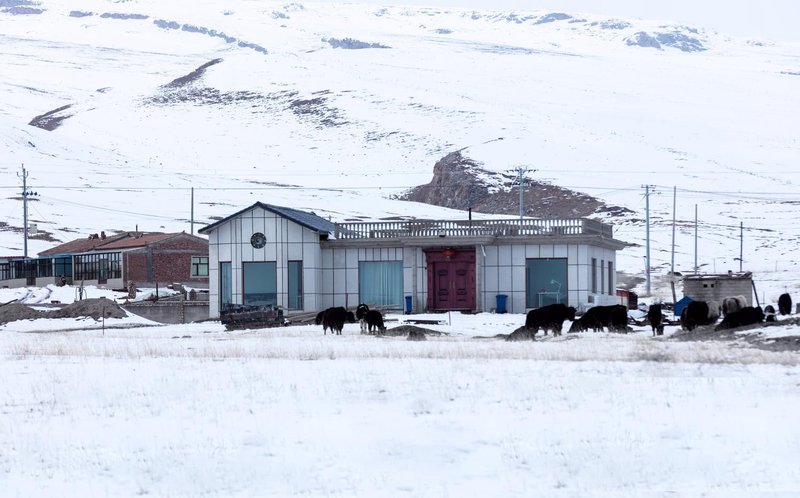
[684, 38]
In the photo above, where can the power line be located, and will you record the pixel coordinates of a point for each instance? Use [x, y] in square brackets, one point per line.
[120, 211]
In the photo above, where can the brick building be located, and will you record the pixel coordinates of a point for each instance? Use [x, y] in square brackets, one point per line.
[115, 261]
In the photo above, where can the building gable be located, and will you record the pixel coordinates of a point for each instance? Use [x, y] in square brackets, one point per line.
[303, 218]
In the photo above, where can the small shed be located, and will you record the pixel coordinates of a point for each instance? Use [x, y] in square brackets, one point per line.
[717, 286]
[627, 298]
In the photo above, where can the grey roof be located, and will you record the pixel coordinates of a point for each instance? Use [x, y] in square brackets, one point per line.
[304, 218]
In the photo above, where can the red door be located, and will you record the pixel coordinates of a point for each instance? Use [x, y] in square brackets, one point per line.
[451, 279]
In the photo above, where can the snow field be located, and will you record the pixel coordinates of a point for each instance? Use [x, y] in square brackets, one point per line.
[191, 410]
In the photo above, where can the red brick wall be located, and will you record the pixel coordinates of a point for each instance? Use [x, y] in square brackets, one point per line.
[166, 262]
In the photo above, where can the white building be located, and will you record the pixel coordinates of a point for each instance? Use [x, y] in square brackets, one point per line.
[267, 254]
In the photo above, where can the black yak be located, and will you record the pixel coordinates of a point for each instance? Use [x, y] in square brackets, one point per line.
[374, 320]
[654, 317]
[697, 314]
[748, 315]
[785, 304]
[335, 318]
[550, 317]
[615, 317]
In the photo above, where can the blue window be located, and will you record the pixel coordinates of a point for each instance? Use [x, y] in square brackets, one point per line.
[260, 283]
[545, 282]
[225, 284]
[380, 283]
[295, 285]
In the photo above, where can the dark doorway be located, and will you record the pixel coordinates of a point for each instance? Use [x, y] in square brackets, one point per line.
[451, 279]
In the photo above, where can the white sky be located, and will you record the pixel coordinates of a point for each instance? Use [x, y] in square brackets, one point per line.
[772, 19]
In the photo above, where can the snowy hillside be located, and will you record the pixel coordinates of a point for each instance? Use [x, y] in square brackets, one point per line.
[338, 108]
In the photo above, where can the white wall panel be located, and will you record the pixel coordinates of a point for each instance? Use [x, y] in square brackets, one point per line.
[491, 255]
[518, 253]
[504, 256]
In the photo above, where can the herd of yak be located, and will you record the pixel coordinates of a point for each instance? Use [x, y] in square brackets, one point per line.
[734, 310]
[335, 318]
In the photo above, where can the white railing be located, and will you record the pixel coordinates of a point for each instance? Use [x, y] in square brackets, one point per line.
[471, 228]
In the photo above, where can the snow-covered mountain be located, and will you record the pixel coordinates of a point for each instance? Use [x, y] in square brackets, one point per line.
[118, 109]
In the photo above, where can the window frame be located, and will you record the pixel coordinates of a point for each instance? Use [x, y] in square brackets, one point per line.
[196, 265]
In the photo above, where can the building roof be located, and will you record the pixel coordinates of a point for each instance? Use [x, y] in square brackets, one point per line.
[136, 240]
[122, 241]
[81, 245]
[304, 218]
[720, 276]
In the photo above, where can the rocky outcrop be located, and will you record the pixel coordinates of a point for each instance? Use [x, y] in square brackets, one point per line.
[460, 183]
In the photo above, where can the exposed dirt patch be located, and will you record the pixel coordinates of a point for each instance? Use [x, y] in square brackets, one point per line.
[413, 330]
[14, 311]
[185, 90]
[52, 119]
[94, 308]
[193, 76]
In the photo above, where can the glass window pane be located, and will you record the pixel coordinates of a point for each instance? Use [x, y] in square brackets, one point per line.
[260, 283]
[225, 284]
[295, 285]
[546, 282]
[199, 266]
[380, 283]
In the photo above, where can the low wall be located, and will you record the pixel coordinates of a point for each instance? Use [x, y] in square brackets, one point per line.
[170, 311]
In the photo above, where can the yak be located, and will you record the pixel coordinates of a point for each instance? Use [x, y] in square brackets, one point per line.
[374, 320]
[655, 318]
[785, 304]
[769, 313]
[748, 315]
[698, 314]
[361, 315]
[733, 303]
[335, 318]
[550, 317]
[615, 317]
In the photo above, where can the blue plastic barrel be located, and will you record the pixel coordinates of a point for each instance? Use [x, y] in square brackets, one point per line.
[409, 304]
[501, 303]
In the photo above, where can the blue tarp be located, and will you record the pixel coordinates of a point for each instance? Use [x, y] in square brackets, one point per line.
[684, 302]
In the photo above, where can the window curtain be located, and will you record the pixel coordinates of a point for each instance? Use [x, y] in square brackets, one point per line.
[380, 283]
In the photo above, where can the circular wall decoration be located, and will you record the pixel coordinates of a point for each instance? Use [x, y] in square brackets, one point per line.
[258, 240]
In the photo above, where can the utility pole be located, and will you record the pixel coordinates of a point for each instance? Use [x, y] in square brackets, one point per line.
[695, 240]
[25, 194]
[192, 214]
[647, 234]
[672, 259]
[741, 245]
[521, 170]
